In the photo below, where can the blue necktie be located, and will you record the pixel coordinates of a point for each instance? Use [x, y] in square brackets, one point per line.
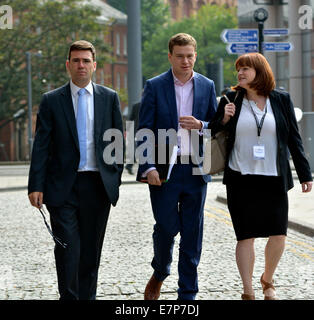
[81, 126]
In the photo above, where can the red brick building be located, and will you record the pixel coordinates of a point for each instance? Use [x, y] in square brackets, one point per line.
[13, 134]
[184, 8]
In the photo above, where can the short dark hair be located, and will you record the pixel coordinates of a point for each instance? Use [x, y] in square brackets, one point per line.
[264, 81]
[181, 39]
[82, 45]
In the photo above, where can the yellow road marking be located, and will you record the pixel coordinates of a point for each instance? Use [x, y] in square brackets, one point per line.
[303, 255]
[224, 212]
[301, 243]
[211, 215]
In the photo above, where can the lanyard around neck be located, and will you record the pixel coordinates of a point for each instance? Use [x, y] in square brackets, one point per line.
[259, 124]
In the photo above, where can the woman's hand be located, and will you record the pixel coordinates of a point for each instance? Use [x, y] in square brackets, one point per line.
[229, 112]
[307, 186]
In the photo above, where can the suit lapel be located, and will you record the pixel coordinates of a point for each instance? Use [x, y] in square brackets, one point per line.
[99, 111]
[238, 104]
[196, 96]
[68, 109]
[171, 98]
[275, 102]
[275, 106]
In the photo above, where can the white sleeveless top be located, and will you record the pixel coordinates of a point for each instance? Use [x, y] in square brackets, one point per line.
[241, 157]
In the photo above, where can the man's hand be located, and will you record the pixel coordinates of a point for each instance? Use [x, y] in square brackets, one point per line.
[189, 123]
[307, 186]
[36, 199]
[153, 178]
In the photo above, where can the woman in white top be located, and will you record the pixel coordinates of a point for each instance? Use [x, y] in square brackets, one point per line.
[261, 127]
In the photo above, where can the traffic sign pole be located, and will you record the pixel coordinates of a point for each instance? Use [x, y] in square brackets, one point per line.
[260, 37]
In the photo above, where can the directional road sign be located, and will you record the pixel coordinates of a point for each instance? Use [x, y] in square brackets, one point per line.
[239, 35]
[275, 32]
[278, 46]
[240, 48]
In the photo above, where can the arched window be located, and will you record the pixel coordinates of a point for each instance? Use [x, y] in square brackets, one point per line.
[173, 8]
[200, 3]
[187, 8]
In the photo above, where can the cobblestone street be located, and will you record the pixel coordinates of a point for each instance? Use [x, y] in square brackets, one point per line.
[27, 269]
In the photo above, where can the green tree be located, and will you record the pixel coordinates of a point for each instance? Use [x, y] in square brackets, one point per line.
[154, 14]
[49, 26]
[206, 27]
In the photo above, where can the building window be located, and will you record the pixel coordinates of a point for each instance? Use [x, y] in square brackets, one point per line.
[118, 44]
[125, 45]
[125, 81]
[200, 3]
[187, 8]
[118, 81]
[102, 77]
[173, 8]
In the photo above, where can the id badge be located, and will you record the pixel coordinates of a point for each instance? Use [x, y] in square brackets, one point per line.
[259, 152]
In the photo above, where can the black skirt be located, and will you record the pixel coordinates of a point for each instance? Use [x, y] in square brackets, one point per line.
[257, 204]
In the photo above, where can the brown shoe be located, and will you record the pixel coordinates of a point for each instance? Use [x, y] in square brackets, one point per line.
[268, 285]
[246, 296]
[152, 290]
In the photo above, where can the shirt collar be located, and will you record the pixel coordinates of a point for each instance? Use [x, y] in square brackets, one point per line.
[75, 88]
[178, 82]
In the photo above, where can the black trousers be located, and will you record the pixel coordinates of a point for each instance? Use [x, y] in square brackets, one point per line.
[81, 224]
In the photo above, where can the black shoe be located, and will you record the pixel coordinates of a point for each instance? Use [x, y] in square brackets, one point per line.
[129, 169]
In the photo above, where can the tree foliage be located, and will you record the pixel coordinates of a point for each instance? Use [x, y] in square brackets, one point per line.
[206, 27]
[49, 26]
[154, 14]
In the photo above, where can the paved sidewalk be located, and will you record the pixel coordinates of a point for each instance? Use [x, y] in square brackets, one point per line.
[27, 266]
[301, 205]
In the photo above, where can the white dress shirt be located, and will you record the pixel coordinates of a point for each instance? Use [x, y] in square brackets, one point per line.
[184, 100]
[241, 158]
[91, 158]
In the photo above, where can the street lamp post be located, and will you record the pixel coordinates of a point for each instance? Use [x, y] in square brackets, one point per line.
[260, 16]
[135, 80]
[29, 94]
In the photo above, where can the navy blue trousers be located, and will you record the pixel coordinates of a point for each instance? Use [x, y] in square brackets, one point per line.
[178, 206]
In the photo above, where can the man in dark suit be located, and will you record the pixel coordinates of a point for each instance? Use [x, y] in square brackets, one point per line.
[182, 100]
[68, 172]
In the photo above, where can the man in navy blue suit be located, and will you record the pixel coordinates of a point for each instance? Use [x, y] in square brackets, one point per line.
[183, 100]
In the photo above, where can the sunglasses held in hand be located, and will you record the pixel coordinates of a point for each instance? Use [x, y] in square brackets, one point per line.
[56, 239]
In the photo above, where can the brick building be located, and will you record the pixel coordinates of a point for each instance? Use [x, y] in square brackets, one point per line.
[184, 8]
[13, 134]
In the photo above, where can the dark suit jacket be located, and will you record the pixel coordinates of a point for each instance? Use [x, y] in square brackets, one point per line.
[56, 155]
[288, 136]
[159, 108]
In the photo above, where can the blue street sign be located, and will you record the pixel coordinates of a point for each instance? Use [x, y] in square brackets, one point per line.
[240, 48]
[239, 35]
[278, 46]
[275, 32]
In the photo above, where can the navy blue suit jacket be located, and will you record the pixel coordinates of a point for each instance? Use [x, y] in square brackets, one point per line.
[159, 108]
